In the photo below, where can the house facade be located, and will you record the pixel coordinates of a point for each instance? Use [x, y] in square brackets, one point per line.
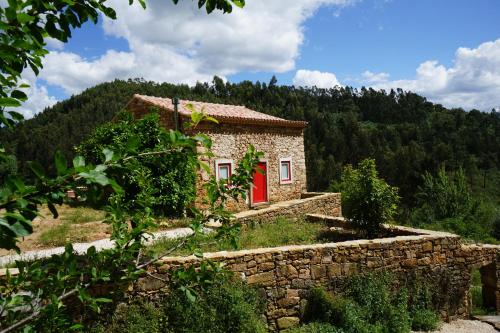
[281, 141]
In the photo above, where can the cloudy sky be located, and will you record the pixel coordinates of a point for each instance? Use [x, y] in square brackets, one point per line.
[446, 50]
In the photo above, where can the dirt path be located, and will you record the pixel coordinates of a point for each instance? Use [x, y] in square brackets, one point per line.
[466, 326]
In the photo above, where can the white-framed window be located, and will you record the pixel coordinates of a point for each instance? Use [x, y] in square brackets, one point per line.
[223, 169]
[285, 170]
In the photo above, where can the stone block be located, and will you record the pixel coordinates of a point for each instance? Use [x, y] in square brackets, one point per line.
[334, 270]
[264, 279]
[318, 271]
[288, 322]
[266, 266]
[288, 302]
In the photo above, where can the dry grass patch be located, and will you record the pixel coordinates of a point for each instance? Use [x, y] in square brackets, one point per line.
[74, 224]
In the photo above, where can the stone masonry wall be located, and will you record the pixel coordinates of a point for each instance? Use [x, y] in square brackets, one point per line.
[231, 142]
[311, 203]
[287, 273]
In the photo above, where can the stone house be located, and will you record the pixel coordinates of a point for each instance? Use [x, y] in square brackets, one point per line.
[281, 141]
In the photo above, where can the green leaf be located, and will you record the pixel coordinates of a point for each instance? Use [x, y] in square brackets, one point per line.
[61, 163]
[239, 3]
[24, 18]
[132, 143]
[37, 169]
[108, 154]
[16, 115]
[9, 102]
[78, 162]
[103, 300]
[18, 94]
[53, 210]
[20, 229]
[76, 327]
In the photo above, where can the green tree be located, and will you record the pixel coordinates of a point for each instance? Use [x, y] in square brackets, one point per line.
[367, 201]
[444, 196]
[8, 167]
[168, 180]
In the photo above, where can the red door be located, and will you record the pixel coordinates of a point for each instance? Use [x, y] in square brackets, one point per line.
[259, 191]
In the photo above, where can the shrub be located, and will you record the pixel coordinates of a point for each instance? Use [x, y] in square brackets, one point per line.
[316, 328]
[424, 320]
[142, 317]
[367, 201]
[335, 310]
[369, 305]
[224, 307]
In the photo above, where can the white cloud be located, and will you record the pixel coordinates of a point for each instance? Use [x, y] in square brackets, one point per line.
[473, 81]
[38, 96]
[319, 79]
[371, 77]
[54, 44]
[182, 44]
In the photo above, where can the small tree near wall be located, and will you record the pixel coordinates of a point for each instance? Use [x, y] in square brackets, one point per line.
[367, 201]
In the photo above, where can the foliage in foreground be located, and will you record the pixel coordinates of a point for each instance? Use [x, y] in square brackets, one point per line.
[59, 294]
[167, 179]
[227, 306]
[370, 305]
[367, 201]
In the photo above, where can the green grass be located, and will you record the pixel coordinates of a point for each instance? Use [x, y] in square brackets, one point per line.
[279, 232]
[56, 236]
[63, 233]
[81, 215]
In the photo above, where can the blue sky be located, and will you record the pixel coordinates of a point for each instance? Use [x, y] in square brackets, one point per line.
[391, 36]
[449, 51]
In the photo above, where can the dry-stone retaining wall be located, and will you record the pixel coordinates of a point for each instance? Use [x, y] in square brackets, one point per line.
[311, 203]
[287, 273]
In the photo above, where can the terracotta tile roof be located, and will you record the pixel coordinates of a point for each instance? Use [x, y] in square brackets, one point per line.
[234, 114]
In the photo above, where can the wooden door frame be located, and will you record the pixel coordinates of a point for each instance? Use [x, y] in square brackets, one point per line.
[262, 160]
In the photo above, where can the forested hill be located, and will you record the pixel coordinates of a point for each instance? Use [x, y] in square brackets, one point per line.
[404, 132]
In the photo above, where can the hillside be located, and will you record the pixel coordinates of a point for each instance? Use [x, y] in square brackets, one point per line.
[405, 133]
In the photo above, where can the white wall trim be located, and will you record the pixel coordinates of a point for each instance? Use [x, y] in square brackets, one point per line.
[223, 161]
[287, 181]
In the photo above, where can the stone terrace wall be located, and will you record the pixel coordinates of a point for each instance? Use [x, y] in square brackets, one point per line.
[311, 203]
[287, 273]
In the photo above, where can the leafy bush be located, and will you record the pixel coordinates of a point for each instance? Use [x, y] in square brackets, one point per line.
[224, 307]
[369, 305]
[142, 317]
[424, 320]
[316, 327]
[367, 201]
[168, 180]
